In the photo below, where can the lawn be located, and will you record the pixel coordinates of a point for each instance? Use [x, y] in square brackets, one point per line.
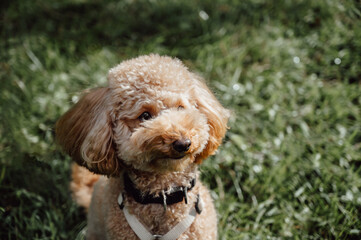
[290, 71]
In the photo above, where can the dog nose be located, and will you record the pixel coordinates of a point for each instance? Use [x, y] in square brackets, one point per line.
[182, 145]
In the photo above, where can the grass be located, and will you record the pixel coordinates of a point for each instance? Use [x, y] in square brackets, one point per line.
[290, 71]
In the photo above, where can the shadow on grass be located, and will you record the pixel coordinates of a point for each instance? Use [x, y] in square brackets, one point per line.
[104, 23]
[91, 24]
[34, 197]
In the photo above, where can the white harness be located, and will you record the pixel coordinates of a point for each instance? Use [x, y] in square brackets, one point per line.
[173, 234]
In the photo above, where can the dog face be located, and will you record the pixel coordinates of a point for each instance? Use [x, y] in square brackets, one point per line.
[154, 116]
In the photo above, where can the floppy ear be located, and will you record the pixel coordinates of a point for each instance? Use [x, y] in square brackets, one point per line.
[85, 133]
[217, 117]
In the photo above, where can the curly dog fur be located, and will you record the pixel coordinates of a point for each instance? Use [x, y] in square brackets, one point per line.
[151, 104]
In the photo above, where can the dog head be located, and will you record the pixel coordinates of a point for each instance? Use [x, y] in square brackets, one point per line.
[155, 115]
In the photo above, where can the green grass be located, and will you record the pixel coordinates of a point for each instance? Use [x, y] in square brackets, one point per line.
[290, 71]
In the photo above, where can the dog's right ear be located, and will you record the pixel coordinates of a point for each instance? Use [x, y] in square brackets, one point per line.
[217, 117]
[85, 133]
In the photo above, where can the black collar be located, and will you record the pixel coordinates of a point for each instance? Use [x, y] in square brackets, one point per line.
[176, 196]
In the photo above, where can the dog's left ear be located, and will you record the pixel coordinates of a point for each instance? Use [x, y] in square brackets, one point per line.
[217, 117]
[85, 133]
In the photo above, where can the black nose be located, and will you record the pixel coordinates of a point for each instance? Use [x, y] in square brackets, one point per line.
[182, 145]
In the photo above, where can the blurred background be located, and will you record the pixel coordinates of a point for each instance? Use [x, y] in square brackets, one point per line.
[290, 71]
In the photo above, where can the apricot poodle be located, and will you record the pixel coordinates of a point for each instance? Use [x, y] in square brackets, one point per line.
[146, 132]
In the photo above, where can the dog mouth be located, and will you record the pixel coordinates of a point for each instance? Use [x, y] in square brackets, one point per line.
[177, 157]
[169, 162]
[170, 157]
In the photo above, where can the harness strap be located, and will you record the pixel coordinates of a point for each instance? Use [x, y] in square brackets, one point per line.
[181, 227]
[144, 234]
[137, 227]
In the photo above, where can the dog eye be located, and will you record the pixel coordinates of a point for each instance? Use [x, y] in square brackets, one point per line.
[180, 107]
[145, 116]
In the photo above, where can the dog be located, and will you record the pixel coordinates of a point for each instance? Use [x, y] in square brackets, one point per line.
[146, 133]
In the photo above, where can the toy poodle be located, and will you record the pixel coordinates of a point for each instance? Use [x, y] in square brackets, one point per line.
[146, 132]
